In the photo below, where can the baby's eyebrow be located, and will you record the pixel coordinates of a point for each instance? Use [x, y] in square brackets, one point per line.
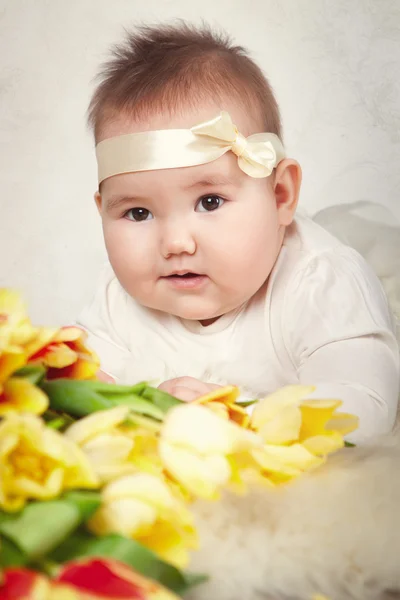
[118, 201]
[217, 180]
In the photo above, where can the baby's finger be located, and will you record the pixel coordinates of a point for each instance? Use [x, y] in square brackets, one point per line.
[104, 377]
[185, 394]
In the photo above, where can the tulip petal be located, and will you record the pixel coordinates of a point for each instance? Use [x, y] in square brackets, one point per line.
[274, 465]
[287, 460]
[225, 395]
[70, 334]
[22, 584]
[198, 428]
[108, 448]
[322, 445]
[11, 304]
[39, 462]
[223, 402]
[343, 423]
[10, 362]
[22, 396]
[43, 337]
[58, 356]
[295, 456]
[105, 579]
[273, 404]
[111, 579]
[315, 416]
[127, 516]
[98, 422]
[145, 487]
[167, 543]
[202, 476]
[31, 488]
[85, 367]
[283, 428]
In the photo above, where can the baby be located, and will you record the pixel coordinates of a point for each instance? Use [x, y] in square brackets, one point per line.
[211, 277]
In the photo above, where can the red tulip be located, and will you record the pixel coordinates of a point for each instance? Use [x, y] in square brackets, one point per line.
[22, 584]
[101, 578]
[88, 579]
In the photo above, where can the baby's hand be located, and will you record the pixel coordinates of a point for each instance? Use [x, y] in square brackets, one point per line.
[101, 376]
[187, 388]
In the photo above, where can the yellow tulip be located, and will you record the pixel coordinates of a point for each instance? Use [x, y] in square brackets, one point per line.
[223, 402]
[11, 360]
[144, 507]
[203, 451]
[15, 327]
[16, 394]
[37, 462]
[15, 332]
[19, 395]
[297, 433]
[113, 447]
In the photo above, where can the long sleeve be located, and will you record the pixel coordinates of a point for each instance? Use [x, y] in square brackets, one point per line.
[340, 337]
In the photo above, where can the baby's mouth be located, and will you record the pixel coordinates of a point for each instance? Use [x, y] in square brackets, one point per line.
[188, 280]
[184, 275]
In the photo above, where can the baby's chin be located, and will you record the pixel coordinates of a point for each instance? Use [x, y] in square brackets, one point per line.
[206, 317]
[191, 311]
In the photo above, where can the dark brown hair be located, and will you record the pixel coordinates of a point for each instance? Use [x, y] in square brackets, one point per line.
[166, 67]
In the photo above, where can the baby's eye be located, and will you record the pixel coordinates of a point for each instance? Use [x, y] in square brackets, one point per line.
[138, 214]
[209, 203]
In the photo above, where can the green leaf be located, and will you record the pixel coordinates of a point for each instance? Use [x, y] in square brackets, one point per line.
[247, 403]
[87, 502]
[42, 526]
[75, 398]
[58, 421]
[10, 554]
[33, 373]
[160, 399]
[140, 406]
[105, 388]
[143, 560]
[112, 388]
[349, 445]
[80, 398]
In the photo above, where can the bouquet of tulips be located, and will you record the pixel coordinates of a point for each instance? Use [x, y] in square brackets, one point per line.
[98, 481]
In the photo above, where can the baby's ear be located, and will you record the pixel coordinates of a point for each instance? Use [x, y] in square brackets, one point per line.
[98, 200]
[287, 182]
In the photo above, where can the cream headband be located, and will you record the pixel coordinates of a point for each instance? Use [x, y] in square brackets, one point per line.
[257, 155]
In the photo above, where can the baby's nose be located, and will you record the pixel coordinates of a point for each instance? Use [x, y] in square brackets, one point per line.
[177, 239]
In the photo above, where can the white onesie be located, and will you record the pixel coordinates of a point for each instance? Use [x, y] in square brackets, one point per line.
[322, 318]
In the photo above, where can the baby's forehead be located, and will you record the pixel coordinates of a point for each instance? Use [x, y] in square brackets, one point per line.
[222, 173]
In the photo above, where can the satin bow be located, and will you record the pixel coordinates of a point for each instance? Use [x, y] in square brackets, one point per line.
[257, 154]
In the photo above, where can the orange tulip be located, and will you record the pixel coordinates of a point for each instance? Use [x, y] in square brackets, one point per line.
[64, 353]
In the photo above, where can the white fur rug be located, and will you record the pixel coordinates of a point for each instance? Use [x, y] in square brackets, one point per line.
[334, 532]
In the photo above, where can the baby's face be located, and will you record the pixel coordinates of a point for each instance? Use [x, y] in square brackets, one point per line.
[195, 242]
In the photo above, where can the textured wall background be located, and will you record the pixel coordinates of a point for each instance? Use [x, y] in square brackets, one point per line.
[335, 67]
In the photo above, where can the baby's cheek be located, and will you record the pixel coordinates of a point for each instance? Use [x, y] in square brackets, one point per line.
[130, 248]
